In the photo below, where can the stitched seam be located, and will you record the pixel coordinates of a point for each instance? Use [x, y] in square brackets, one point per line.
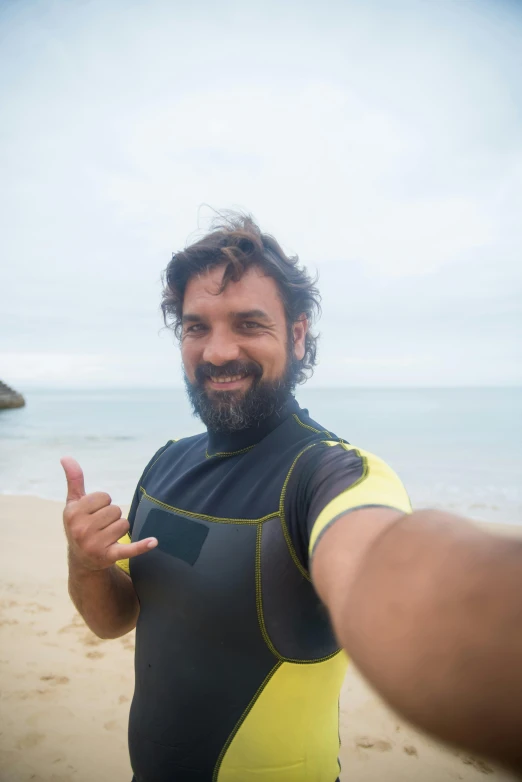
[363, 477]
[315, 660]
[286, 533]
[259, 597]
[339, 730]
[228, 453]
[347, 512]
[312, 429]
[366, 470]
[242, 719]
[261, 618]
[203, 516]
[159, 457]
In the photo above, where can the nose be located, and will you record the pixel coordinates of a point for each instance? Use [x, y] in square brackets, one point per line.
[220, 348]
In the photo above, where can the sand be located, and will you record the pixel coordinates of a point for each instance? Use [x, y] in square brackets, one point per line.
[65, 694]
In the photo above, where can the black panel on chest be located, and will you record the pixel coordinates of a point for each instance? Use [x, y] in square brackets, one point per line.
[198, 563]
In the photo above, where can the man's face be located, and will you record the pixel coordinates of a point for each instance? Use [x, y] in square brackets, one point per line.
[238, 352]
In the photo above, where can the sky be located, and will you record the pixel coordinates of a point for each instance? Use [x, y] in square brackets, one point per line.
[381, 141]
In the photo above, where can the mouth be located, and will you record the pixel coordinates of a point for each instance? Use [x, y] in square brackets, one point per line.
[229, 382]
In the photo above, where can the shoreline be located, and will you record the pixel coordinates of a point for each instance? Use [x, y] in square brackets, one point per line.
[66, 693]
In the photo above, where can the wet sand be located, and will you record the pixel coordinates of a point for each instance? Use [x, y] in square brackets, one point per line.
[65, 693]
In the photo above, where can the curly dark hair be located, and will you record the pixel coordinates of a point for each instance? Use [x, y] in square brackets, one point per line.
[237, 242]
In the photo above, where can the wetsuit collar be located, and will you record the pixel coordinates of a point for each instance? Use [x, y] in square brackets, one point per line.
[231, 442]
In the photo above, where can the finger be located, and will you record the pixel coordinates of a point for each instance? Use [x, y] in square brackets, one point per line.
[114, 532]
[104, 517]
[95, 501]
[74, 477]
[128, 550]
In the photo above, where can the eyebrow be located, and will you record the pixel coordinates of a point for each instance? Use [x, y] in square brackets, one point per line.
[252, 314]
[192, 317]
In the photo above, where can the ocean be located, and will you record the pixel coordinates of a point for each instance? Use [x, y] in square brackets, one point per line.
[459, 449]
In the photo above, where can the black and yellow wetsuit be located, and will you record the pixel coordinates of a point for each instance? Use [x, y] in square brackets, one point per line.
[238, 671]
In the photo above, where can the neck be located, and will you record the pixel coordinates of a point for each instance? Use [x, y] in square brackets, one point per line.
[230, 442]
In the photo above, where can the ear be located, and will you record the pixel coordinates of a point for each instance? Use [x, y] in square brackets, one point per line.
[299, 329]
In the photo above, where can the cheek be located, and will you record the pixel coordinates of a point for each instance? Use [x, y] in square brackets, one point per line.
[189, 360]
[271, 357]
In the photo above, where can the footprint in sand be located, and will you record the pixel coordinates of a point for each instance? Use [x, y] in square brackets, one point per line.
[123, 699]
[409, 749]
[89, 639]
[51, 677]
[111, 725]
[41, 692]
[94, 655]
[8, 603]
[35, 608]
[367, 743]
[477, 763]
[30, 740]
[77, 623]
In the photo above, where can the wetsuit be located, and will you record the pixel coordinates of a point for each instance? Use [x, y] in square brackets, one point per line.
[238, 672]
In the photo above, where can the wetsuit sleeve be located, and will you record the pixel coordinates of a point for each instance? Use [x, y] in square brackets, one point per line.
[361, 480]
[124, 563]
[335, 479]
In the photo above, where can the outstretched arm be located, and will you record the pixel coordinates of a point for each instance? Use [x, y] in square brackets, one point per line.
[429, 607]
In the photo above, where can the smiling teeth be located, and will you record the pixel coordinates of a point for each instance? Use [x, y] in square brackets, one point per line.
[232, 379]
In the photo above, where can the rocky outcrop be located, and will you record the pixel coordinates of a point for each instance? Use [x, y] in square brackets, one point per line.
[9, 397]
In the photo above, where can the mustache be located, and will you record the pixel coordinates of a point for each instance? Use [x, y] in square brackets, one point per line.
[231, 368]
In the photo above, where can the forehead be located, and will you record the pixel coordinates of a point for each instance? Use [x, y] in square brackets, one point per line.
[255, 290]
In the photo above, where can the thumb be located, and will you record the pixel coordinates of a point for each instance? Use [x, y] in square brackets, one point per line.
[74, 477]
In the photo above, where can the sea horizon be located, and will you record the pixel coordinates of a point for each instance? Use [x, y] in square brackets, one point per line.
[457, 448]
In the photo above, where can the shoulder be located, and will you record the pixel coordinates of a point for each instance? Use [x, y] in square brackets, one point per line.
[154, 459]
[349, 478]
[331, 478]
[340, 456]
[322, 459]
[171, 450]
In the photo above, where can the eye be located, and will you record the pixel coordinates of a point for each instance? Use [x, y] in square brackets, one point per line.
[251, 324]
[194, 328]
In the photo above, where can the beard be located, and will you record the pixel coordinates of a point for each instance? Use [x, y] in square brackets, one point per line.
[232, 411]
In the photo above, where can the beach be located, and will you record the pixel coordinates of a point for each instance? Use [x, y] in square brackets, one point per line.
[66, 693]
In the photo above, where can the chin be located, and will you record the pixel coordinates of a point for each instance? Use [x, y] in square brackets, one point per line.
[227, 394]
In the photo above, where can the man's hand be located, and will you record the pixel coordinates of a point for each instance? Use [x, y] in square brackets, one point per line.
[94, 525]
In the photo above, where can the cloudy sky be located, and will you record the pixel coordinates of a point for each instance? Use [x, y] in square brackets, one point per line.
[381, 141]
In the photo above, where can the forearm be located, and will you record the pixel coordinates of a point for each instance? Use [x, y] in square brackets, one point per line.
[433, 618]
[106, 599]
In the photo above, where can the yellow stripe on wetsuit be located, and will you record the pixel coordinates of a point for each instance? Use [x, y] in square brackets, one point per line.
[124, 563]
[378, 485]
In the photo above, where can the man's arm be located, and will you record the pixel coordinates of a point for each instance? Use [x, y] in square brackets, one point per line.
[429, 607]
[106, 599]
[101, 591]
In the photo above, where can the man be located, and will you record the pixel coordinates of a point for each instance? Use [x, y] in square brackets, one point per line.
[257, 554]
